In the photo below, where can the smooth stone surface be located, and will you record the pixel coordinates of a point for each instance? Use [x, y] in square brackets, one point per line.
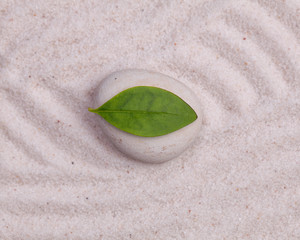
[149, 149]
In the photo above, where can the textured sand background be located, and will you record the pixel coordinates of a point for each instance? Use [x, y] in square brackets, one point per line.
[61, 179]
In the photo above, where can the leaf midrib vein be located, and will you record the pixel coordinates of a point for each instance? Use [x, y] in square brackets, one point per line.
[135, 111]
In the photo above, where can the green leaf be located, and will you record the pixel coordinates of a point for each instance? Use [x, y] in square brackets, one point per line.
[147, 111]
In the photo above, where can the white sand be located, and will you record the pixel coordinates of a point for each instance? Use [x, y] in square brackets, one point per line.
[60, 178]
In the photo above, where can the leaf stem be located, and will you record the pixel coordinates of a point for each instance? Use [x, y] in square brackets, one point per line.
[92, 110]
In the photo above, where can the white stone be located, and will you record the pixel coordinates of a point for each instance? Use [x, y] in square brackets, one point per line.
[149, 149]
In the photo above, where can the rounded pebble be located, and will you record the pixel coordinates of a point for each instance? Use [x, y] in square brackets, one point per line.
[149, 149]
